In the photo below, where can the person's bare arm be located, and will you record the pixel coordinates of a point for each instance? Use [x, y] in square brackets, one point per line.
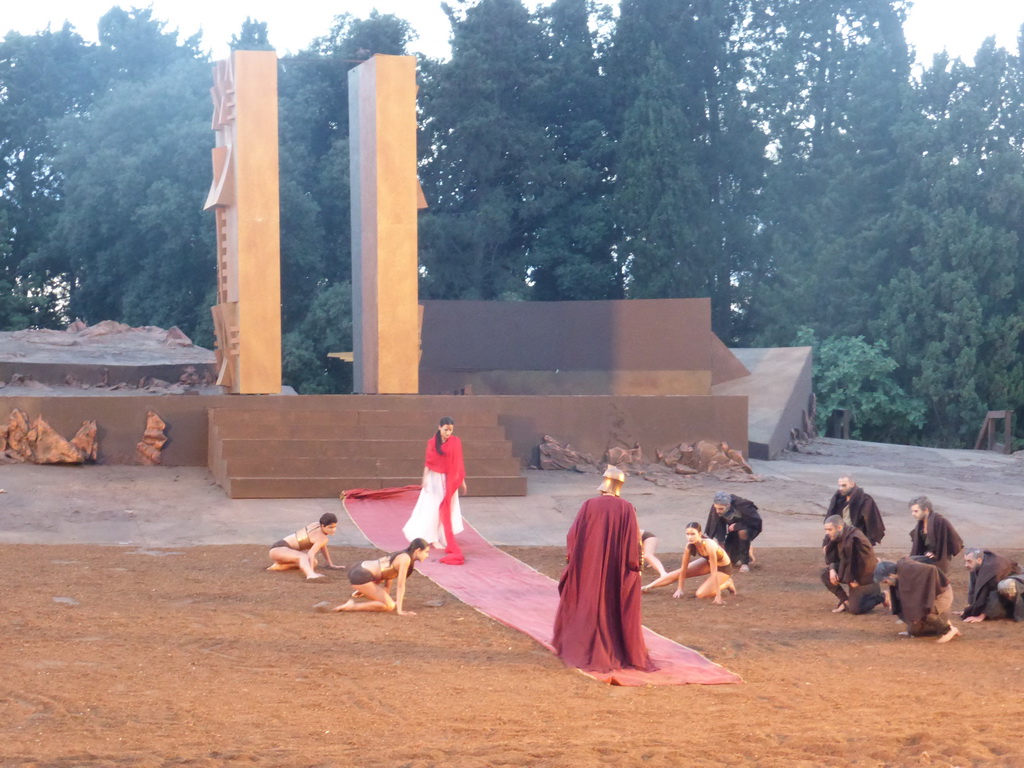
[330, 564]
[404, 564]
[314, 551]
[682, 573]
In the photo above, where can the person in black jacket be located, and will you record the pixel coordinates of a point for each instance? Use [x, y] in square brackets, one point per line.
[734, 523]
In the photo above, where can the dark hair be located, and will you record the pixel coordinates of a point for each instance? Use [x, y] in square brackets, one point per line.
[413, 546]
[884, 570]
[923, 502]
[438, 442]
[328, 518]
[696, 527]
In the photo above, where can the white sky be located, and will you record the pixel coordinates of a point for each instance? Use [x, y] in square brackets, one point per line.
[959, 26]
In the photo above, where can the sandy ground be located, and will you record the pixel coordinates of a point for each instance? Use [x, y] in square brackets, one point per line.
[177, 648]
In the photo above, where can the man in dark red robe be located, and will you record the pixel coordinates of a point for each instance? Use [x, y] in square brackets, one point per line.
[598, 625]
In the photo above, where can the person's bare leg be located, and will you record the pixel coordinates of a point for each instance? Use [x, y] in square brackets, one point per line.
[285, 559]
[707, 589]
[651, 556]
[306, 567]
[726, 583]
[698, 567]
[653, 561]
[662, 581]
[377, 599]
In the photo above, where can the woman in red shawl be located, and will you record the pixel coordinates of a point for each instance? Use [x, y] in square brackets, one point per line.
[436, 516]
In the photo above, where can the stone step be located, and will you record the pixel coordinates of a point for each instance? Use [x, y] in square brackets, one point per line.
[290, 452]
[331, 487]
[327, 448]
[312, 430]
[277, 466]
[349, 417]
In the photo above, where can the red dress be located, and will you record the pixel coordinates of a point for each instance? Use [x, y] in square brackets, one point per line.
[598, 626]
[450, 464]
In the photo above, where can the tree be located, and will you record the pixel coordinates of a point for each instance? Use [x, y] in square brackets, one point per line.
[658, 189]
[709, 144]
[43, 78]
[488, 169]
[252, 37]
[850, 373]
[130, 232]
[572, 255]
[837, 102]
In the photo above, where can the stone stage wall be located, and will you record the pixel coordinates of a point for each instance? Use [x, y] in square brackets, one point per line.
[590, 423]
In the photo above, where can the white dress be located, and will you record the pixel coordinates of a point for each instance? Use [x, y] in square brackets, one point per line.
[425, 520]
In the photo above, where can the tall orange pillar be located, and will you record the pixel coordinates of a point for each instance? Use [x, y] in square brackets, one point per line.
[385, 198]
[245, 199]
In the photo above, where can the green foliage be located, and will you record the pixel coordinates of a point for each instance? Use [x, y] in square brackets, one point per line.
[849, 373]
[131, 235]
[326, 327]
[775, 156]
[252, 37]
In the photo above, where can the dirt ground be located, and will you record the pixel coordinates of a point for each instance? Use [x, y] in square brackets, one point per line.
[115, 656]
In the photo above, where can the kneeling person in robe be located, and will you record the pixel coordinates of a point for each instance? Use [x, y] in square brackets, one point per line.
[921, 596]
[996, 588]
[850, 559]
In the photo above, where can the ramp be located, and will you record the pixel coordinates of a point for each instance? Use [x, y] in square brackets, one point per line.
[511, 592]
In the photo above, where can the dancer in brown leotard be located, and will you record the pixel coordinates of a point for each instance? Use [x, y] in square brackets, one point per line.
[300, 549]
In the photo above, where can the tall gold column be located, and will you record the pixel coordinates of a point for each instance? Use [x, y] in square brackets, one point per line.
[245, 200]
[385, 198]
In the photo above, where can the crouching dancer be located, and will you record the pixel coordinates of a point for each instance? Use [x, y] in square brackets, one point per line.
[300, 549]
[372, 579]
[920, 595]
[702, 557]
[996, 588]
[850, 559]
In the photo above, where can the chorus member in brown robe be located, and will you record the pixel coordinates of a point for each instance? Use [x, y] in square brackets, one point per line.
[850, 559]
[858, 509]
[598, 624]
[996, 587]
[921, 596]
[933, 540]
[300, 549]
[734, 523]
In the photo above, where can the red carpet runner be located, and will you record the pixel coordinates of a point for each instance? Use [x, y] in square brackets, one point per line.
[508, 590]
